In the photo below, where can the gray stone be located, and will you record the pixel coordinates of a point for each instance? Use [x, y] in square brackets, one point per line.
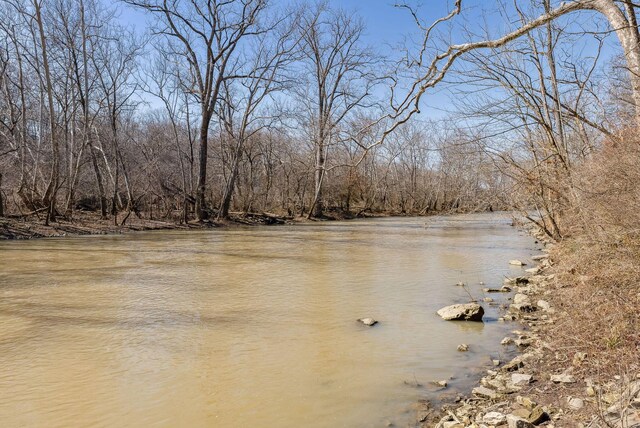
[544, 305]
[494, 418]
[575, 403]
[540, 257]
[483, 391]
[520, 379]
[368, 321]
[462, 312]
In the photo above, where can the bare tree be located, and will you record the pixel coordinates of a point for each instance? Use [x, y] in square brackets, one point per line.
[207, 37]
[340, 80]
[242, 110]
[433, 67]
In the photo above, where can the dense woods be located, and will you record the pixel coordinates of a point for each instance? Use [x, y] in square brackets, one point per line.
[262, 106]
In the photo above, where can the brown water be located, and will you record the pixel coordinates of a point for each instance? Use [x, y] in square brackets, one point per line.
[245, 327]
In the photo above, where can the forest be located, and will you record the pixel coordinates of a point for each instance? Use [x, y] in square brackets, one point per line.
[249, 106]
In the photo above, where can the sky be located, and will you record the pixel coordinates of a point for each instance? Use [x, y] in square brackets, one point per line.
[387, 26]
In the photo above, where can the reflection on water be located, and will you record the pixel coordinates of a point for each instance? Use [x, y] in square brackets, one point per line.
[245, 327]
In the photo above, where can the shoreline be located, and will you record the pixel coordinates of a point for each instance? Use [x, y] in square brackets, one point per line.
[538, 387]
[90, 224]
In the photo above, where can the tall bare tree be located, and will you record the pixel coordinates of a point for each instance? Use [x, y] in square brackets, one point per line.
[207, 36]
[340, 80]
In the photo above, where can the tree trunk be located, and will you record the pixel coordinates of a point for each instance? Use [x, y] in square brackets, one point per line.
[231, 183]
[627, 31]
[99, 181]
[201, 212]
[49, 199]
[317, 207]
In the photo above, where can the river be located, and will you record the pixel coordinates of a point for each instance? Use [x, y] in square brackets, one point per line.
[248, 327]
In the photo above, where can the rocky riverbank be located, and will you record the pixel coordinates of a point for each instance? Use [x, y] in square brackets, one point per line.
[542, 386]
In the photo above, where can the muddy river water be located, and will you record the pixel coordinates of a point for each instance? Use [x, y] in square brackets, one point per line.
[247, 327]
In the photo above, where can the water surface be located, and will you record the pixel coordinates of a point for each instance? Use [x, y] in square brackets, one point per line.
[250, 327]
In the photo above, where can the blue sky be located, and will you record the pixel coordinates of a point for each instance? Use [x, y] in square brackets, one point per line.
[388, 26]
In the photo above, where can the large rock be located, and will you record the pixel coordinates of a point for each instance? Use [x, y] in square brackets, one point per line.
[462, 312]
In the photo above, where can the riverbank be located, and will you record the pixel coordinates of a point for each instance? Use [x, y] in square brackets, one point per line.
[90, 223]
[579, 343]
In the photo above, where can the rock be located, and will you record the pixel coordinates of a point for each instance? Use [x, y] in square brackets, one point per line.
[575, 403]
[506, 341]
[519, 280]
[520, 298]
[504, 289]
[544, 305]
[526, 402]
[517, 263]
[462, 312]
[452, 424]
[563, 378]
[513, 365]
[522, 413]
[440, 383]
[520, 379]
[494, 418]
[526, 307]
[496, 363]
[517, 422]
[483, 391]
[463, 347]
[538, 416]
[523, 343]
[461, 284]
[539, 257]
[487, 300]
[368, 321]
[533, 271]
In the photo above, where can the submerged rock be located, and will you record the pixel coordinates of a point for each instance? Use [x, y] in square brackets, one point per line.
[368, 321]
[462, 312]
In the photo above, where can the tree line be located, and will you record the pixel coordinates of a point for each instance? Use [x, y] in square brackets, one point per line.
[260, 106]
